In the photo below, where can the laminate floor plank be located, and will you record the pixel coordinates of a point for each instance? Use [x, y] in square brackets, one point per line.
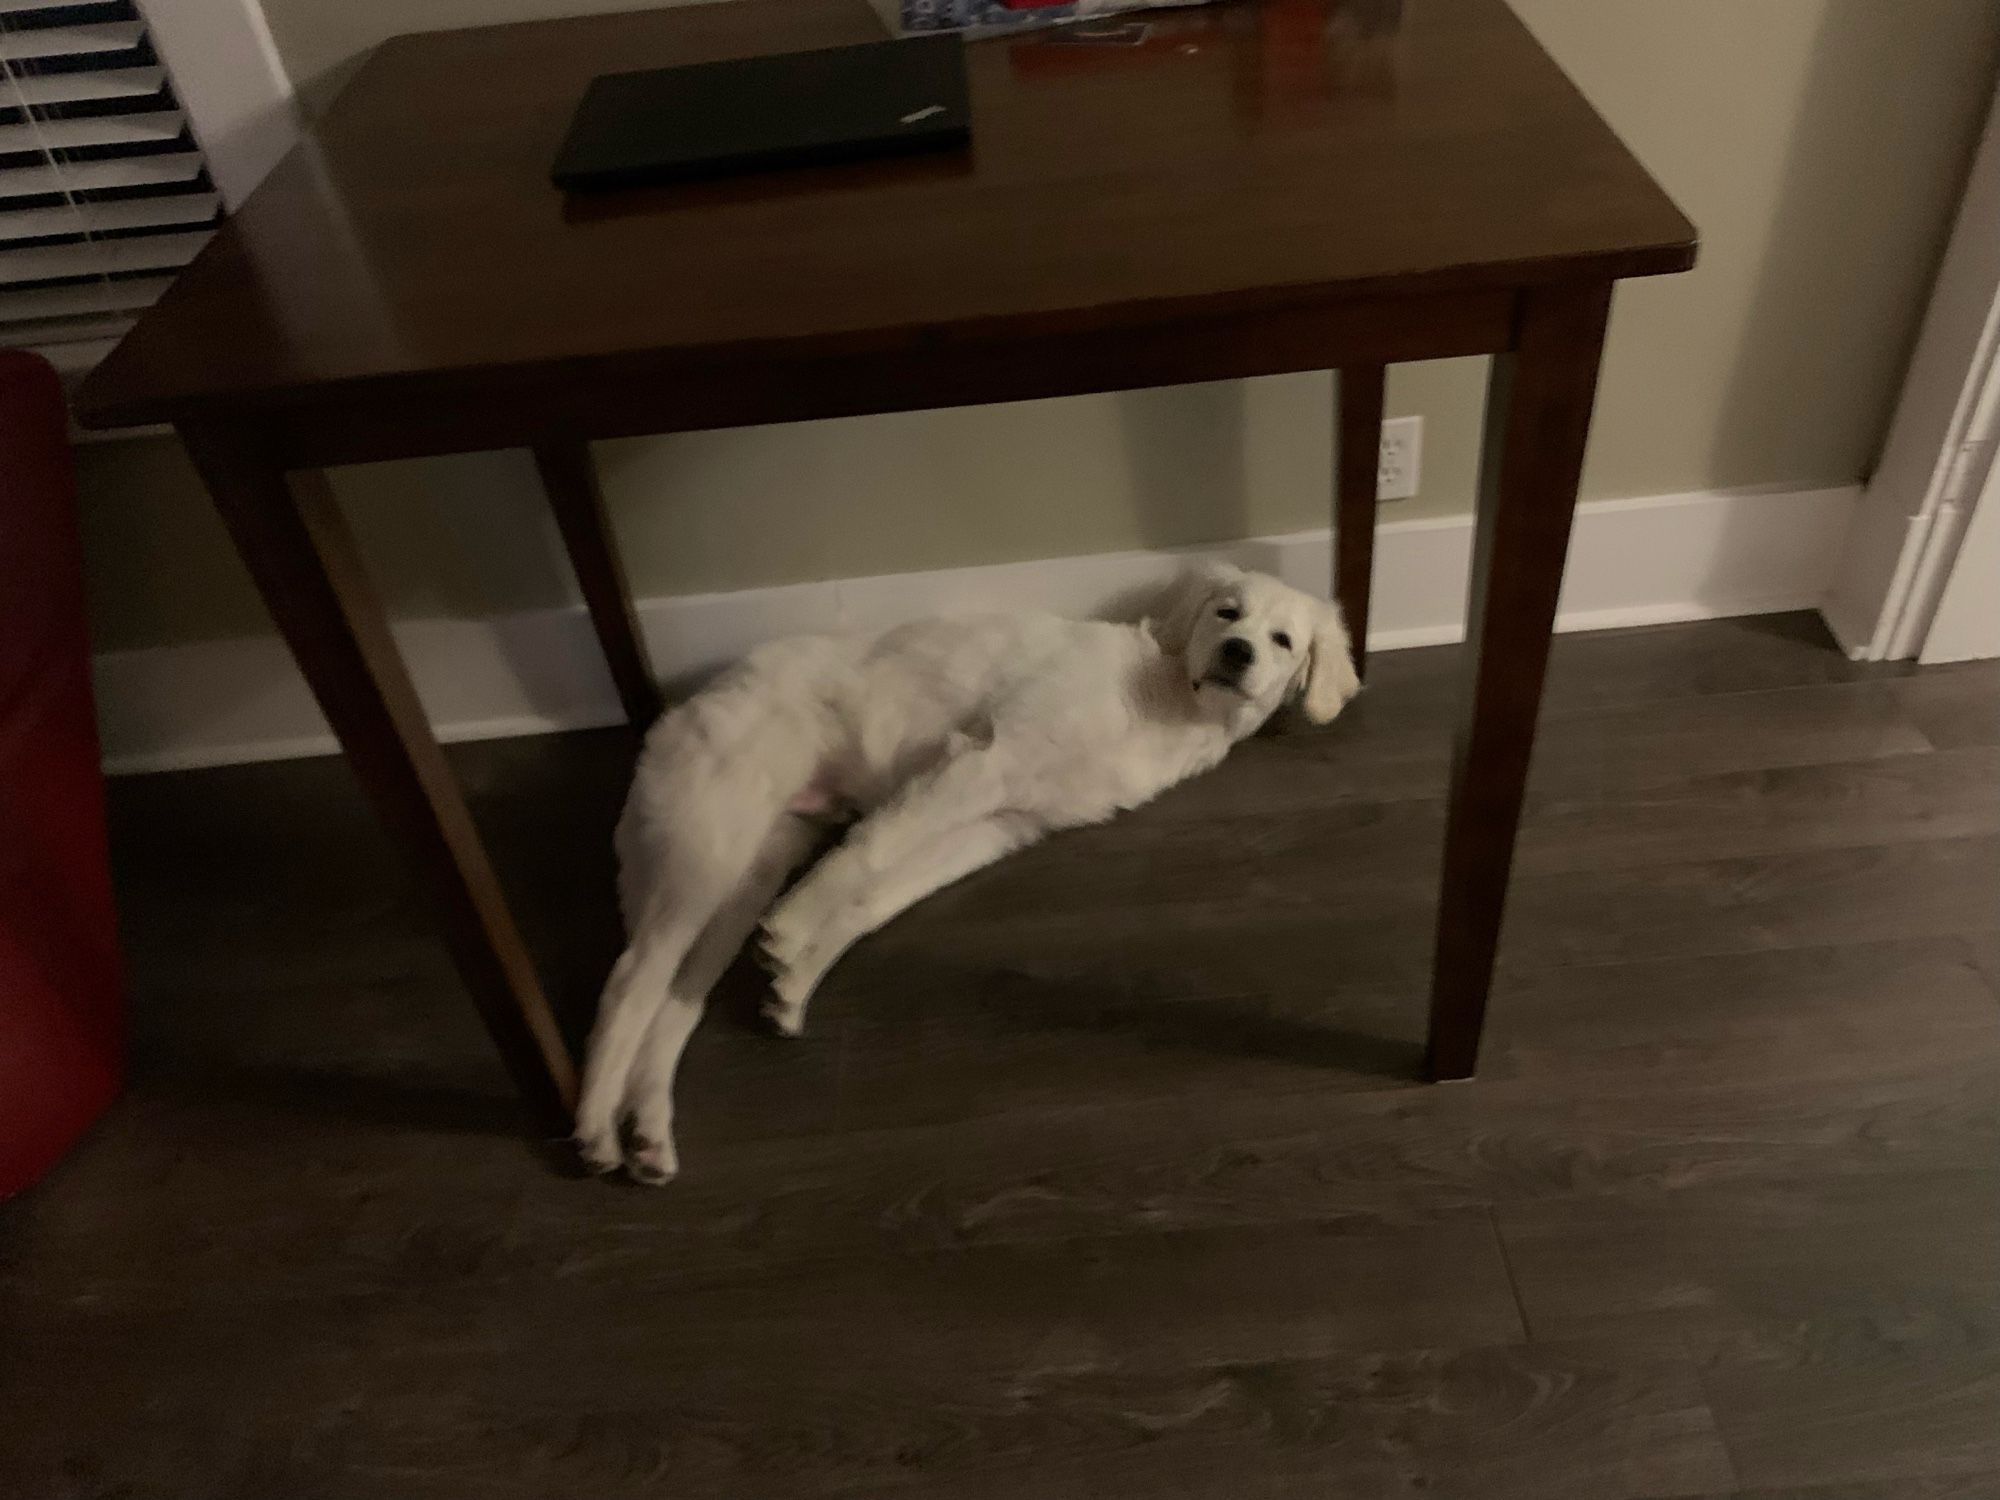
[433, 1399]
[1902, 1487]
[1628, 1079]
[1954, 706]
[1614, 669]
[1985, 950]
[1845, 1328]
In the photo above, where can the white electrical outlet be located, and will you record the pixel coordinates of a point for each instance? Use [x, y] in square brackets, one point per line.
[1399, 468]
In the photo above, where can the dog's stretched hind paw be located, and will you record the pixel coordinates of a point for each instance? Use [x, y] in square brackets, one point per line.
[598, 1152]
[787, 1017]
[652, 1162]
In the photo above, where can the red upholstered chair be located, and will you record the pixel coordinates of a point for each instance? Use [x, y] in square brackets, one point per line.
[61, 1005]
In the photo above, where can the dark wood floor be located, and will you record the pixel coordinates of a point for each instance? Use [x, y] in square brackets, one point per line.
[1104, 1173]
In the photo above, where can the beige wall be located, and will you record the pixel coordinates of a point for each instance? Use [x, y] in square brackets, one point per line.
[1818, 145]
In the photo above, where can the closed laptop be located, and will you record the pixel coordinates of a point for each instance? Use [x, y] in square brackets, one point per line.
[757, 113]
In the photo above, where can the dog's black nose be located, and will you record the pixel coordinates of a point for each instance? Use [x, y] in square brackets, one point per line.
[1237, 652]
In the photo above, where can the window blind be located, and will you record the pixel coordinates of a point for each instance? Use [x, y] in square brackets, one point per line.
[103, 191]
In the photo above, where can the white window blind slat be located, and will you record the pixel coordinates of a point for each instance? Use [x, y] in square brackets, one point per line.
[89, 85]
[146, 128]
[68, 41]
[46, 331]
[155, 170]
[109, 218]
[78, 299]
[145, 252]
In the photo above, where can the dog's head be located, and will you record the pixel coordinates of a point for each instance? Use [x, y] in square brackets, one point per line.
[1250, 644]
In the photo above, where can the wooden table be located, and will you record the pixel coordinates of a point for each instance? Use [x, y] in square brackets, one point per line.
[1262, 186]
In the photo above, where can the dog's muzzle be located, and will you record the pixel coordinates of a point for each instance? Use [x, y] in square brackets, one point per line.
[1233, 658]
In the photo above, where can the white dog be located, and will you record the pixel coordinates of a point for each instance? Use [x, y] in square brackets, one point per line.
[951, 742]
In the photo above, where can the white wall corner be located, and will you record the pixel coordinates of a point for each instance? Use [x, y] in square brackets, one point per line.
[231, 81]
[1631, 562]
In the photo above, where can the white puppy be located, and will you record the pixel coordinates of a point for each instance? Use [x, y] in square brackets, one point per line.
[951, 742]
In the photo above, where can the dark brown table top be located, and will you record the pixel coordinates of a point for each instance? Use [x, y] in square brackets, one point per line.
[1247, 155]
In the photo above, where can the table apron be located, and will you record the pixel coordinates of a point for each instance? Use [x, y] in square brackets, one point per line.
[638, 396]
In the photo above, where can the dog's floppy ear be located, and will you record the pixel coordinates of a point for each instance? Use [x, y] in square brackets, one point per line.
[1330, 676]
[1172, 620]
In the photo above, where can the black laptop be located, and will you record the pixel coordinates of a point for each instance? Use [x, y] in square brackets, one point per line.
[757, 113]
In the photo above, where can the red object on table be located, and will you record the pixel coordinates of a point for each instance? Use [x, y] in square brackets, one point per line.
[62, 1021]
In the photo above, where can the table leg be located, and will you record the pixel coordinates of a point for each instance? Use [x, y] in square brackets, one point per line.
[298, 550]
[1537, 418]
[1359, 401]
[570, 477]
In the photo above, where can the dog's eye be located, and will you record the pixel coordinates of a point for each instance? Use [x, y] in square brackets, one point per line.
[1282, 641]
[1229, 612]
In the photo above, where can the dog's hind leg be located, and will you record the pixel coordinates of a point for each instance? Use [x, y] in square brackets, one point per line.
[635, 991]
[872, 892]
[649, 1093]
[674, 878]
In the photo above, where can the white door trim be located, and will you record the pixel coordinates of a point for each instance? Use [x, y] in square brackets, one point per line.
[1965, 624]
[1907, 528]
[232, 84]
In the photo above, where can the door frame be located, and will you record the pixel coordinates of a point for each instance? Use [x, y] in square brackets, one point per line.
[1907, 531]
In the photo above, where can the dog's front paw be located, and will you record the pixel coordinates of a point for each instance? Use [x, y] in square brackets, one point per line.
[791, 945]
[785, 949]
[793, 971]
[782, 940]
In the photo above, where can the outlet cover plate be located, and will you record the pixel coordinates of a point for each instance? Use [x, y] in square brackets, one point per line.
[1398, 474]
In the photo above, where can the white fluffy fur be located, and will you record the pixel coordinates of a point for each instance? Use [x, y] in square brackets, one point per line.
[950, 742]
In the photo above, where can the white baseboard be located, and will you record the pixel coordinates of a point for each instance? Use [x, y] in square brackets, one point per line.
[1631, 562]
